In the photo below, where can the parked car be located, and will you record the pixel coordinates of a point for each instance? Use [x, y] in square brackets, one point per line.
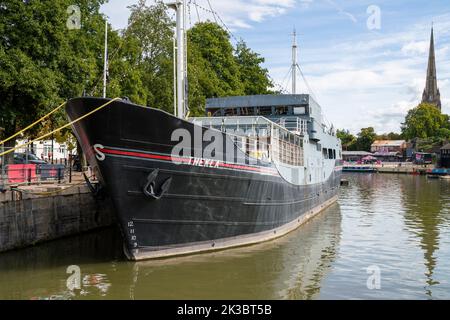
[27, 158]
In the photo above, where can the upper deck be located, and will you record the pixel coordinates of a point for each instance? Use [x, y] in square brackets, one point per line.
[270, 106]
[291, 111]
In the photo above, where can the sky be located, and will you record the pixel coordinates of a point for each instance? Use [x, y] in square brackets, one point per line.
[364, 61]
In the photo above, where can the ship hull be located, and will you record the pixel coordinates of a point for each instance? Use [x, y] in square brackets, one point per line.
[208, 205]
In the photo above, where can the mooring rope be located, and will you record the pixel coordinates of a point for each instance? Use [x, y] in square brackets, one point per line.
[60, 128]
[34, 123]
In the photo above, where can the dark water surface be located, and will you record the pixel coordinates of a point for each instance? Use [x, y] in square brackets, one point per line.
[398, 226]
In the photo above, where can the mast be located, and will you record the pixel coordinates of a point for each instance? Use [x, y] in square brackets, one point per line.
[105, 66]
[174, 76]
[185, 85]
[294, 63]
[179, 6]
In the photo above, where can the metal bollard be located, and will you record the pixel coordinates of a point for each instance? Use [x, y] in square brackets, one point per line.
[70, 171]
[29, 176]
[59, 175]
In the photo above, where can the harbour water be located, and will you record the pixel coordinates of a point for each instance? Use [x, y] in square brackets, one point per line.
[396, 227]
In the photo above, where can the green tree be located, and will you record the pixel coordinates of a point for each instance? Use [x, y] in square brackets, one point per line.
[390, 136]
[149, 51]
[42, 62]
[365, 139]
[444, 133]
[348, 140]
[253, 76]
[220, 74]
[424, 121]
[125, 77]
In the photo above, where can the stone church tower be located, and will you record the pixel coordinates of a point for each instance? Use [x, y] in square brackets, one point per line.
[431, 93]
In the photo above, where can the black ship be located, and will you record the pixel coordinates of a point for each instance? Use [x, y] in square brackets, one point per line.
[182, 186]
[255, 168]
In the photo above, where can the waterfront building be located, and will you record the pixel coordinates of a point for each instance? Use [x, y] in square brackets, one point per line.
[354, 156]
[431, 92]
[384, 146]
[46, 150]
[389, 150]
[445, 156]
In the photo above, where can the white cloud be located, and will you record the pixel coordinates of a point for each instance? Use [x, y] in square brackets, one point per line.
[341, 11]
[414, 47]
[373, 79]
[285, 3]
[234, 13]
[365, 79]
[262, 12]
[305, 4]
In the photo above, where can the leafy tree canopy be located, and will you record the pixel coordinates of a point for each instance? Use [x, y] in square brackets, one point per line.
[425, 121]
[390, 136]
[365, 139]
[42, 62]
[348, 140]
[253, 76]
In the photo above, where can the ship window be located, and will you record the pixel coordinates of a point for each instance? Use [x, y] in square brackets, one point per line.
[265, 111]
[325, 153]
[330, 154]
[299, 110]
[245, 111]
[230, 112]
[281, 110]
[334, 154]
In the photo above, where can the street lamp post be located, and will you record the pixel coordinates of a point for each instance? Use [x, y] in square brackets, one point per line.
[3, 157]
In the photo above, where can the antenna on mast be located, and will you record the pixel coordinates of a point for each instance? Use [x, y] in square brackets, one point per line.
[294, 62]
[181, 73]
[105, 66]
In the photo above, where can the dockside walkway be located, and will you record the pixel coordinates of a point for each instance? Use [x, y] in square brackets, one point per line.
[31, 214]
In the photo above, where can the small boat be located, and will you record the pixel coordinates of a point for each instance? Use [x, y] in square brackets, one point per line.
[359, 169]
[437, 173]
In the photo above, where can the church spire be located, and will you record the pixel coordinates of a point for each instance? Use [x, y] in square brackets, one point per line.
[431, 93]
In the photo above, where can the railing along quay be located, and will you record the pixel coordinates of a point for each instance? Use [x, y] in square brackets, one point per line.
[13, 176]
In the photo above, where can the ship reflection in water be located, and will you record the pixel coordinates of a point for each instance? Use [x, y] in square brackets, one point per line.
[400, 224]
[291, 267]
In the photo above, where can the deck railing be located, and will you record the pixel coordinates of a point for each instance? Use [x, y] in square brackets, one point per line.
[261, 138]
[294, 124]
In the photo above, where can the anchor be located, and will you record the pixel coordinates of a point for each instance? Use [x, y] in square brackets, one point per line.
[150, 186]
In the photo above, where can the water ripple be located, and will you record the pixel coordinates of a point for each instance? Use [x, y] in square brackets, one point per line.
[398, 226]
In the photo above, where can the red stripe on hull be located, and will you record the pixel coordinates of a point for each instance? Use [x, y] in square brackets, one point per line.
[183, 160]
